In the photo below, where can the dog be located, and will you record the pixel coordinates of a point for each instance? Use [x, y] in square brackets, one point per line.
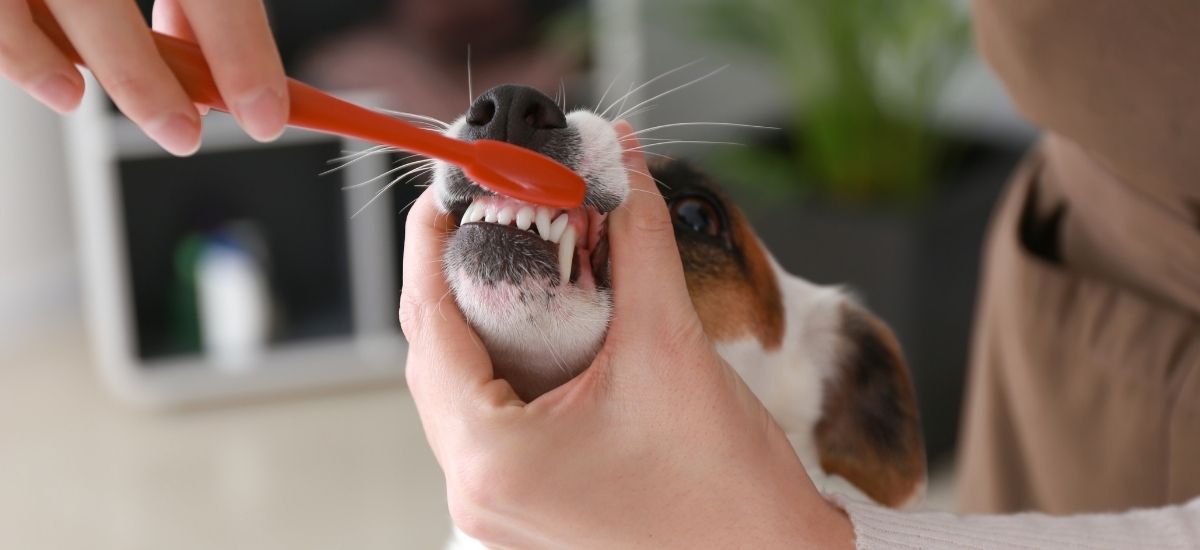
[534, 283]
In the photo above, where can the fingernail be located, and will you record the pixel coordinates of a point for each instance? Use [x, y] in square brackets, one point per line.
[58, 92]
[262, 114]
[177, 133]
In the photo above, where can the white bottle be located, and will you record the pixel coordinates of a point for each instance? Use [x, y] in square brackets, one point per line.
[234, 305]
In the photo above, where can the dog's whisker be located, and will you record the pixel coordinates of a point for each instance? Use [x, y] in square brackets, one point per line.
[353, 158]
[389, 172]
[675, 89]
[659, 155]
[645, 109]
[656, 180]
[643, 139]
[409, 205]
[680, 124]
[607, 89]
[695, 141]
[347, 154]
[562, 365]
[470, 85]
[652, 194]
[622, 101]
[647, 83]
[385, 190]
[443, 124]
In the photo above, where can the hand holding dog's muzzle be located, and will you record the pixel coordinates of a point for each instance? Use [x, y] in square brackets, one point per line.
[658, 442]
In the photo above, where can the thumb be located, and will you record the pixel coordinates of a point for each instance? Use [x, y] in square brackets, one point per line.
[447, 363]
[649, 289]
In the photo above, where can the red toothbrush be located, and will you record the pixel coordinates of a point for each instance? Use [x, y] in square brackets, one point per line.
[501, 167]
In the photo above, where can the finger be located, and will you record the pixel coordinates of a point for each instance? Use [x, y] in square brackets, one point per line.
[31, 61]
[648, 281]
[114, 41]
[447, 362]
[236, 39]
[167, 17]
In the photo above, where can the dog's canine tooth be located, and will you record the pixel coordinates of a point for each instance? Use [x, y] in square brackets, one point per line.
[543, 222]
[505, 215]
[566, 252]
[556, 229]
[474, 213]
[524, 217]
[477, 213]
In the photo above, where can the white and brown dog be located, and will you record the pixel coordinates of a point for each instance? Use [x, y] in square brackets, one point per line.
[534, 283]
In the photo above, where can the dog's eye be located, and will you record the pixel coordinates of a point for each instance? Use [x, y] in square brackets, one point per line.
[697, 214]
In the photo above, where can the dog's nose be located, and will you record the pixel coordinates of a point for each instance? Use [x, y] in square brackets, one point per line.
[517, 114]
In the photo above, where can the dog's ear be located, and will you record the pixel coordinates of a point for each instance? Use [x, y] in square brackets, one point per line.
[869, 430]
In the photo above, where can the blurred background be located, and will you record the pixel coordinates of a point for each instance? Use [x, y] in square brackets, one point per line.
[203, 352]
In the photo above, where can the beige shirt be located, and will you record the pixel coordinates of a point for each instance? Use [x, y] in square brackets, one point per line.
[1084, 391]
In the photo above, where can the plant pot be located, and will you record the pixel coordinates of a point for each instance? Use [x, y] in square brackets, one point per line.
[915, 266]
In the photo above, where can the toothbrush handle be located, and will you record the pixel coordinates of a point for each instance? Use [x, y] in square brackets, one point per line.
[501, 167]
[310, 107]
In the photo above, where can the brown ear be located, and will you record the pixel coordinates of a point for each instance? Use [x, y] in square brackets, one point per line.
[869, 431]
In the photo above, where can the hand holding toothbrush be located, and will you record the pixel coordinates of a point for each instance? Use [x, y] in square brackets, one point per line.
[112, 38]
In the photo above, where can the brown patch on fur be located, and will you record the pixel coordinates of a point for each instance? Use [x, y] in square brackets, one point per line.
[740, 300]
[729, 276]
[869, 432]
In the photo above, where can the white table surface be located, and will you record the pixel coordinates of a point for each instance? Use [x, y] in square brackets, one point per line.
[78, 469]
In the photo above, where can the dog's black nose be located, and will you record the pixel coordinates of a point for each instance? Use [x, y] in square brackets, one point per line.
[517, 114]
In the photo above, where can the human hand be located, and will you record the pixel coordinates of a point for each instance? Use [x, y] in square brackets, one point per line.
[657, 444]
[113, 39]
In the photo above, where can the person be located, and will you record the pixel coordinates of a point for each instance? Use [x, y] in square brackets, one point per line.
[659, 443]
[1085, 389]
[111, 37]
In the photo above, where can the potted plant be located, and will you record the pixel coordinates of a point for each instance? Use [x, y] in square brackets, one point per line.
[862, 188]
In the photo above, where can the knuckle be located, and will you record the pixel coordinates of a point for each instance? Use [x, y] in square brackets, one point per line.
[647, 215]
[654, 221]
[413, 313]
[10, 59]
[144, 97]
[468, 519]
[682, 337]
[490, 481]
[474, 484]
[130, 86]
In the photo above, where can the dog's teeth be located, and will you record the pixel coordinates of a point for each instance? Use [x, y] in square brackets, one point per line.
[543, 222]
[505, 216]
[490, 217]
[477, 213]
[524, 217]
[474, 213]
[566, 252]
[556, 229]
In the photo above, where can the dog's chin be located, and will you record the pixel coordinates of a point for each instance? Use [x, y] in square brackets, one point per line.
[534, 281]
[539, 329]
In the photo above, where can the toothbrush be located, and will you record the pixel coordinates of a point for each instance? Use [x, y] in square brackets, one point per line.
[501, 167]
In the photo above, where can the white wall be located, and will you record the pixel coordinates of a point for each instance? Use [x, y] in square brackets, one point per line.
[38, 280]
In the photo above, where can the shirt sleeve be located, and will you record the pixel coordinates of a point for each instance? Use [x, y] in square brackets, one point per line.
[877, 528]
